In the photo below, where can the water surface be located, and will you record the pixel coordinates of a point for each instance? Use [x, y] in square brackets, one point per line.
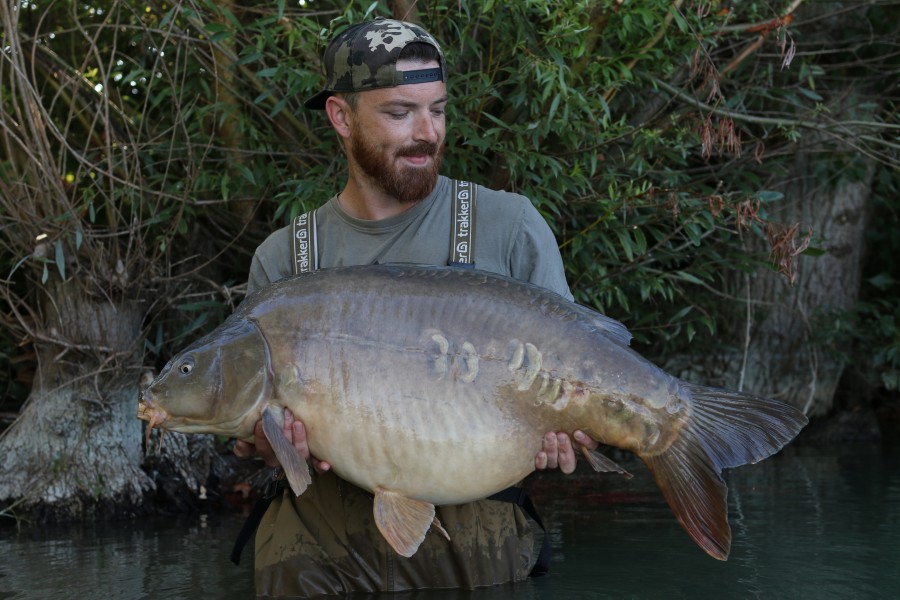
[818, 523]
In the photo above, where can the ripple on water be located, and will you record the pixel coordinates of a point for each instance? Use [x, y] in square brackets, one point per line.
[817, 523]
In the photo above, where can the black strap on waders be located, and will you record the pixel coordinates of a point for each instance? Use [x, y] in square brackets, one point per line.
[273, 487]
[520, 498]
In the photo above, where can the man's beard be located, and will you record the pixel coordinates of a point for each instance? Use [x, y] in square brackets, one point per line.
[405, 183]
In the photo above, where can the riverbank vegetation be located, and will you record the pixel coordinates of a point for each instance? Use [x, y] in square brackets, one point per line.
[721, 177]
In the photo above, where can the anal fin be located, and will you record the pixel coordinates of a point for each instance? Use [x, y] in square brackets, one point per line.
[403, 521]
[295, 467]
[437, 525]
[601, 463]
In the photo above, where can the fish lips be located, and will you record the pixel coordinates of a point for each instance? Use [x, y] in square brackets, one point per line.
[147, 411]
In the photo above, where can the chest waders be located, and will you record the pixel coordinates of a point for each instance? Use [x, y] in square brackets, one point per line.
[305, 248]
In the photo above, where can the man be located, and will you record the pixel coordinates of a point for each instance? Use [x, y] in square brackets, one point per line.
[386, 96]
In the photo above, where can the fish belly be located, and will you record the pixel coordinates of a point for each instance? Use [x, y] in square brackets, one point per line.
[397, 419]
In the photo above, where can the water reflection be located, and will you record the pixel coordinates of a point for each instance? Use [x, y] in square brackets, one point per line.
[810, 523]
[177, 558]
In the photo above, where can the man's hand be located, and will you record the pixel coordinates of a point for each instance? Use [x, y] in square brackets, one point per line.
[295, 433]
[557, 451]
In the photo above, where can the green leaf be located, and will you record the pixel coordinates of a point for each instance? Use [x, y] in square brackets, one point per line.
[769, 196]
[684, 275]
[201, 305]
[810, 94]
[625, 243]
[60, 259]
[247, 174]
[681, 314]
[882, 281]
[814, 251]
[250, 57]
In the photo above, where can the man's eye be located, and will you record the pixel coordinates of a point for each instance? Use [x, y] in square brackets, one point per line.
[398, 115]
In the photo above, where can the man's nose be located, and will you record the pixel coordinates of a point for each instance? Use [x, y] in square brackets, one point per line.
[426, 129]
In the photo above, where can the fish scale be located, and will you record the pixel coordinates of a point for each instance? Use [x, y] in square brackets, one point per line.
[436, 385]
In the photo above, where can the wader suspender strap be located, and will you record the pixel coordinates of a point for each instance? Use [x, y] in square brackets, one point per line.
[462, 254]
[462, 240]
[462, 221]
[305, 242]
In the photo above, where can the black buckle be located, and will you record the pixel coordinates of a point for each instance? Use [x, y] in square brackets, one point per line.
[275, 484]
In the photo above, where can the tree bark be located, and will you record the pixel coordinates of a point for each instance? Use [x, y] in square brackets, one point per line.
[780, 350]
[76, 448]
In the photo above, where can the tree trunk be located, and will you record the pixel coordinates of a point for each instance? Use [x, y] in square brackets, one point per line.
[76, 448]
[779, 339]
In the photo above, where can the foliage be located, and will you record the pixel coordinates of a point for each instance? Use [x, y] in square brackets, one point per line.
[649, 133]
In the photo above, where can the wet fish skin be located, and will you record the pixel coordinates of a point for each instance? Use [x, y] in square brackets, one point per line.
[435, 385]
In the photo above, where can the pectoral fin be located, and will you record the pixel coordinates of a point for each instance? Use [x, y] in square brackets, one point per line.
[601, 463]
[295, 467]
[403, 521]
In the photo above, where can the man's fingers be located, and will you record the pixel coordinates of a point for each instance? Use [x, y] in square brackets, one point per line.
[293, 430]
[287, 425]
[583, 439]
[567, 459]
[540, 460]
[551, 448]
[244, 449]
[260, 439]
[301, 444]
[298, 438]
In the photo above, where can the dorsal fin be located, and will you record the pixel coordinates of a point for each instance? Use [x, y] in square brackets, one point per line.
[609, 326]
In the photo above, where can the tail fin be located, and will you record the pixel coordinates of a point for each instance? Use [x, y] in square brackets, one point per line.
[726, 429]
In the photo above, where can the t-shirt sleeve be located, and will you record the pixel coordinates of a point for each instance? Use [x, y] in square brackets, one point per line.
[535, 254]
[271, 261]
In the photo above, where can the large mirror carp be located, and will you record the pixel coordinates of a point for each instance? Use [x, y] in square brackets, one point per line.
[435, 385]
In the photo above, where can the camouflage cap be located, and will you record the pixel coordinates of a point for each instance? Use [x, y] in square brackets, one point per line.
[364, 57]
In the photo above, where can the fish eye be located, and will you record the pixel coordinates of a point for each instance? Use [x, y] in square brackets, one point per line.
[186, 367]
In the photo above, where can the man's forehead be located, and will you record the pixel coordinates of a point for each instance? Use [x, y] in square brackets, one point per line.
[423, 94]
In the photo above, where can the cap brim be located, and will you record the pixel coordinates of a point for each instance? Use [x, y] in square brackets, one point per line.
[317, 102]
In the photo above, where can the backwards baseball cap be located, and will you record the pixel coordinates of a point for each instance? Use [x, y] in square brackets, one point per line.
[364, 57]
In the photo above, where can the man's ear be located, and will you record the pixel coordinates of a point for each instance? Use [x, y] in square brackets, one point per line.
[340, 114]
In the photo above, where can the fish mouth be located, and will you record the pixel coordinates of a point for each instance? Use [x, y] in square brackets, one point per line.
[154, 416]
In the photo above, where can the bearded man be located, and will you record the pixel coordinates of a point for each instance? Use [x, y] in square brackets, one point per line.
[386, 97]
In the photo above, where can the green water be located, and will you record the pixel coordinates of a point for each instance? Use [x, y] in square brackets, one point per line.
[816, 523]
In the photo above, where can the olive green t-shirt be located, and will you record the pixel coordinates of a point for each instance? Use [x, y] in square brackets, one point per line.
[511, 238]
